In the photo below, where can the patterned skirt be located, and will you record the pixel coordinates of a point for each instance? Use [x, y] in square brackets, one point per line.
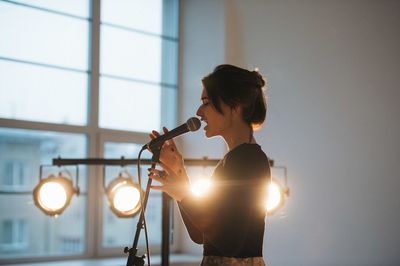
[226, 261]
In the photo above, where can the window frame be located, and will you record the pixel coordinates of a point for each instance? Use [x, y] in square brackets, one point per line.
[96, 137]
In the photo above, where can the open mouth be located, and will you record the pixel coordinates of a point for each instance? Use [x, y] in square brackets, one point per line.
[205, 121]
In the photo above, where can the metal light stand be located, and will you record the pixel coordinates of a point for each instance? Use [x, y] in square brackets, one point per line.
[166, 200]
[133, 259]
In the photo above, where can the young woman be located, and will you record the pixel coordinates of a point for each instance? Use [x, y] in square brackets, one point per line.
[229, 220]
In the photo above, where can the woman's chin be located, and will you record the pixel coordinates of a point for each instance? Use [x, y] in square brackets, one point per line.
[208, 133]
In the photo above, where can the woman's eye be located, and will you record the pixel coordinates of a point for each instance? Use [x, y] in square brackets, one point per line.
[204, 101]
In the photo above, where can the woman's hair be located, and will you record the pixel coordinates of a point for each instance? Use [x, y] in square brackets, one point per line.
[237, 86]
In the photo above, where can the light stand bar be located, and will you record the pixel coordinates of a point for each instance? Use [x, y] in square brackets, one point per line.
[122, 162]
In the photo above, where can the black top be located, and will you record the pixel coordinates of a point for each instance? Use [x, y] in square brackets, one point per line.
[229, 220]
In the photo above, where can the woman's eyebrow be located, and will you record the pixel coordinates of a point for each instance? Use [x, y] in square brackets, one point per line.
[203, 98]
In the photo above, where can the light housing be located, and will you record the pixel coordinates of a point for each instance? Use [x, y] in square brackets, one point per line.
[53, 194]
[124, 196]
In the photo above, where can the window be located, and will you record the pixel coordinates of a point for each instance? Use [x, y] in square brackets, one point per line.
[80, 78]
[15, 175]
[71, 244]
[14, 235]
[138, 63]
[17, 147]
[38, 62]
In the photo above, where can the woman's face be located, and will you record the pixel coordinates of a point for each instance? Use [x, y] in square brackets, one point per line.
[217, 123]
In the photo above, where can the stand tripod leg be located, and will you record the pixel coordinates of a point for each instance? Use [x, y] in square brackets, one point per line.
[166, 211]
[133, 259]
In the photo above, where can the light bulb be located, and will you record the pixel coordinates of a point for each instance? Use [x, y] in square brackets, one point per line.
[274, 196]
[52, 196]
[126, 198]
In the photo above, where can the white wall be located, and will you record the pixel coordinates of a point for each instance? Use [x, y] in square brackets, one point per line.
[201, 21]
[202, 47]
[333, 70]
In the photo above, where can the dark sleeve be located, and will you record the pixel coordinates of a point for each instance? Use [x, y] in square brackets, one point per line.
[195, 234]
[238, 197]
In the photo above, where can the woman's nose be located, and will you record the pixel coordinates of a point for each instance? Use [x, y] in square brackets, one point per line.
[199, 112]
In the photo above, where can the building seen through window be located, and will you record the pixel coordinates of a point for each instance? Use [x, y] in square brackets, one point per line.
[14, 234]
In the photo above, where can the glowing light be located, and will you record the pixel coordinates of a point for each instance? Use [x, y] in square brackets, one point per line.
[201, 187]
[274, 197]
[126, 198]
[52, 196]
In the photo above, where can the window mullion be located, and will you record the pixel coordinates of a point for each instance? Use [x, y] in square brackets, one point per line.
[93, 229]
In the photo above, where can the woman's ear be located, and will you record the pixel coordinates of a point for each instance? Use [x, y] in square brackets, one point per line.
[237, 110]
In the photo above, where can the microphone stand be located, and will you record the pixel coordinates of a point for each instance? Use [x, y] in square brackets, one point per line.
[133, 259]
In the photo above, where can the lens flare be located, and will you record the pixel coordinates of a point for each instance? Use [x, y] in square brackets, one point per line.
[274, 197]
[126, 198]
[201, 187]
[52, 196]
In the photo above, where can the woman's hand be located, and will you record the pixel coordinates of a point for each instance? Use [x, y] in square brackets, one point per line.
[175, 185]
[170, 155]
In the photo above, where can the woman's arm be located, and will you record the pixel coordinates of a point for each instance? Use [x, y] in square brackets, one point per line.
[225, 222]
[195, 234]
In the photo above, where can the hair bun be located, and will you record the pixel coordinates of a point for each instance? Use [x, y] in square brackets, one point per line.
[258, 78]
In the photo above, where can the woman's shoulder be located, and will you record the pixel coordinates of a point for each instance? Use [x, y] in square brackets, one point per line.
[246, 153]
[246, 149]
[245, 162]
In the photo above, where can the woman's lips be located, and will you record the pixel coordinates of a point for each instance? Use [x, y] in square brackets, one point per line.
[206, 124]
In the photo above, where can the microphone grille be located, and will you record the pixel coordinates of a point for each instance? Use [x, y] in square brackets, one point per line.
[193, 123]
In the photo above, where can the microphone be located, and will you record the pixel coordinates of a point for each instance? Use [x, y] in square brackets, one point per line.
[192, 124]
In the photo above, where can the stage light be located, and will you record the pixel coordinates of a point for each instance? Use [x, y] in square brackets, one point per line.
[201, 187]
[276, 196]
[53, 194]
[124, 196]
